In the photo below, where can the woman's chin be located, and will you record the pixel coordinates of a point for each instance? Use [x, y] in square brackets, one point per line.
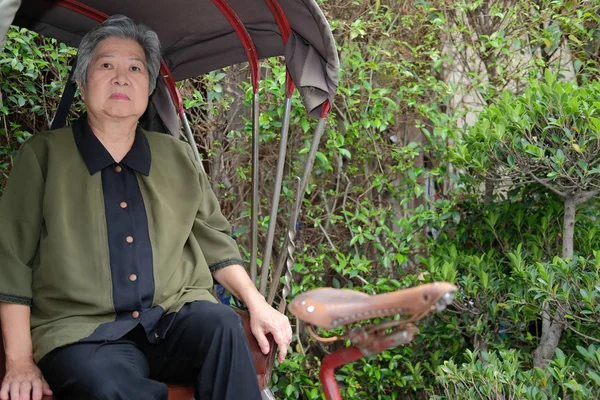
[122, 112]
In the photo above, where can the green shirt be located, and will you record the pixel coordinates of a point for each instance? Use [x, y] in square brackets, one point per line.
[53, 238]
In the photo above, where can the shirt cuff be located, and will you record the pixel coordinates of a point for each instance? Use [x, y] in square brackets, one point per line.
[14, 299]
[222, 264]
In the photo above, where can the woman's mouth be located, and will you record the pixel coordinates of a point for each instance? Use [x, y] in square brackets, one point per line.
[119, 96]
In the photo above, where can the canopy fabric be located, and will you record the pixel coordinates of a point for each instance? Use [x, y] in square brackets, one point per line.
[196, 38]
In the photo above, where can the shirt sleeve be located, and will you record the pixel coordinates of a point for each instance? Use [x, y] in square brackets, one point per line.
[20, 222]
[211, 228]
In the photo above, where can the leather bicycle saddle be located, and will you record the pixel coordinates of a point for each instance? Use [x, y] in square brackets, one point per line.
[329, 308]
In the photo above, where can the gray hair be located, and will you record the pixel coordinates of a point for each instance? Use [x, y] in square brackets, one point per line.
[122, 27]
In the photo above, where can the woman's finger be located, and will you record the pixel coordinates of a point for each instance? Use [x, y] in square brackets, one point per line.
[288, 331]
[263, 343]
[282, 342]
[46, 388]
[36, 389]
[14, 390]
[4, 390]
[25, 390]
[283, 349]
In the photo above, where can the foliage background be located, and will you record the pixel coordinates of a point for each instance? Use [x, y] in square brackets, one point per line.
[394, 198]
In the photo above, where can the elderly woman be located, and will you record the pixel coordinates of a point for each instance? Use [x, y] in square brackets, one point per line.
[110, 241]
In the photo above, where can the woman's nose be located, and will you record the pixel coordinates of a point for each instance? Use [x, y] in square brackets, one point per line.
[120, 78]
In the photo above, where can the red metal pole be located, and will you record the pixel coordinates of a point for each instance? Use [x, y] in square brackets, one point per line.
[330, 363]
[285, 29]
[252, 55]
[245, 38]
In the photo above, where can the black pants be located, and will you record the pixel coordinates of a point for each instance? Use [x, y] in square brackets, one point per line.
[207, 347]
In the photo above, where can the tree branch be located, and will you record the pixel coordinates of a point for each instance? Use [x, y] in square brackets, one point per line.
[583, 335]
[588, 196]
[547, 185]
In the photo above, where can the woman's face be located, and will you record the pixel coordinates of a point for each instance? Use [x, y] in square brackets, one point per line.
[117, 80]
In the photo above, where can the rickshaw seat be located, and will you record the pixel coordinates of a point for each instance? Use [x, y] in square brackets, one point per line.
[329, 308]
[263, 364]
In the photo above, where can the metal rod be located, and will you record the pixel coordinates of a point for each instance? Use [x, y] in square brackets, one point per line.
[312, 154]
[255, 199]
[287, 250]
[276, 196]
[290, 249]
[285, 30]
[308, 166]
[190, 137]
[251, 53]
[267, 394]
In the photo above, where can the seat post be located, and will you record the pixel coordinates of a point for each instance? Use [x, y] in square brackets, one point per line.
[328, 366]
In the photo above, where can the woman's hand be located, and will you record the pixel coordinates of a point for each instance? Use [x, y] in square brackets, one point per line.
[264, 319]
[23, 381]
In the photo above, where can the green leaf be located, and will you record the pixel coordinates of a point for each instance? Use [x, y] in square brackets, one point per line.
[305, 125]
[322, 158]
[289, 390]
[30, 87]
[345, 153]
[511, 160]
[595, 377]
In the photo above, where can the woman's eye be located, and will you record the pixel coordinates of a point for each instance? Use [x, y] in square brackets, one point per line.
[134, 68]
[105, 65]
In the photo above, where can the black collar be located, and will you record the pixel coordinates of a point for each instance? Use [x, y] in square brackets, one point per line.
[96, 157]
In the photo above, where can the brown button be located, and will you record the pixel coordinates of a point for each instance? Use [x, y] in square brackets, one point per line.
[123, 204]
[133, 277]
[129, 239]
[118, 168]
[135, 314]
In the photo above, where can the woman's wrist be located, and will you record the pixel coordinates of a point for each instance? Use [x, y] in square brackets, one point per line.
[254, 299]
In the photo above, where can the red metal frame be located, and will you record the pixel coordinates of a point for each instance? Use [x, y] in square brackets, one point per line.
[280, 18]
[83, 9]
[252, 56]
[286, 30]
[245, 38]
[326, 108]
